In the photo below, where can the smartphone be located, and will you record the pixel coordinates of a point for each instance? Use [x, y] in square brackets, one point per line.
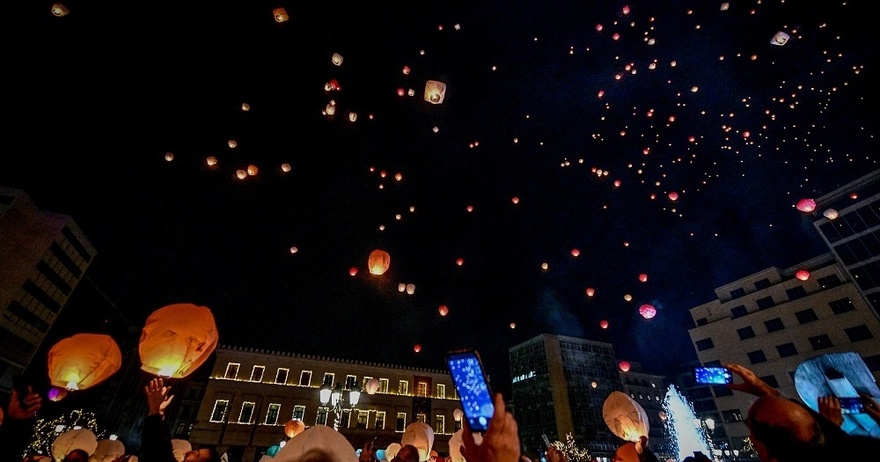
[851, 405]
[546, 441]
[469, 377]
[712, 375]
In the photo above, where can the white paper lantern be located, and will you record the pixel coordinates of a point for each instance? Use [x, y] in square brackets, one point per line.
[108, 451]
[80, 438]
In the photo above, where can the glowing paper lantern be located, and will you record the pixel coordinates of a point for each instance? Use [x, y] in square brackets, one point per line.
[58, 9]
[803, 275]
[830, 214]
[372, 386]
[625, 417]
[459, 261]
[56, 394]
[780, 38]
[643, 277]
[420, 435]
[590, 291]
[624, 366]
[83, 360]
[352, 271]
[179, 448]
[435, 91]
[336, 59]
[391, 451]
[513, 325]
[444, 310]
[457, 414]
[280, 14]
[80, 438]
[417, 348]
[673, 196]
[647, 311]
[379, 262]
[806, 205]
[628, 297]
[177, 339]
[603, 324]
[575, 252]
[293, 428]
[455, 443]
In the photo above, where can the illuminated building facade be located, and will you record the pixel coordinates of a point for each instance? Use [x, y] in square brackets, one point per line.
[251, 394]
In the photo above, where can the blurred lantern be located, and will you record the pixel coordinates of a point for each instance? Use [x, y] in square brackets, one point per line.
[293, 428]
[673, 196]
[83, 360]
[330, 109]
[169, 156]
[410, 289]
[401, 287]
[232, 144]
[80, 438]
[177, 339]
[513, 325]
[515, 200]
[643, 277]
[647, 311]
[336, 59]
[625, 417]
[575, 252]
[628, 297]
[179, 448]
[352, 117]
[211, 161]
[379, 262]
[724, 7]
[241, 174]
[391, 451]
[830, 214]
[372, 386]
[421, 436]
[624, 366]
[411, 92]
[417, 348]
[590, 291]
[662, 416]
[56, 394]
[252, 170]
[803, 275]
[352, 271]
[853, 195]
[245, 107]
[58, 9]
[401, 92]
[280, 14]
[444, 310]
[285, 167]
[806, 205]
[459, 261]
[406, 70]
[594, 384]
[780, 38]
[603, 324]
[294, 249]
[456, 414]
[435, 91]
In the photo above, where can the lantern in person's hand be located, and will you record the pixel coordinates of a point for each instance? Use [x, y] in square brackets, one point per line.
[179, 448]
[79, 438]
[379, 262]
[421, 436]
[177, 339]
[108, 451]
[83, 360]
[625, 417]
[293, 428]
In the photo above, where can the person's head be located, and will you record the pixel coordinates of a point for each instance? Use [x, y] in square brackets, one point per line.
[202, 455]
[408, 453]
[433, 456]
[782, 430]
[76, 455]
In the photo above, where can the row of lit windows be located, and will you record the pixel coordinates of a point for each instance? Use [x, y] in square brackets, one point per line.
[329, 378]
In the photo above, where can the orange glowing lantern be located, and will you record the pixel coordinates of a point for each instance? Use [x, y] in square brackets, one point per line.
[673, 196]
[372, 386]
[459, 261]
[624, 366]
[293, 428]
[435, 91]
[177, 339]
[280, 14]
[603, 324]
[803, 275]
[417, 348]
[806, 205]
[336, 59]
[590, 291]
[575, 252]
[444, 310]
[83, 360]
[379, 262]
[643, 277]
[58, 9]
[647, 311]
[352, 271]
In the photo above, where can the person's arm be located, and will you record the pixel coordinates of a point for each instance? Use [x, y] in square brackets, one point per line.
[751, 383]
[500, 442]
[18, 426]
[156, 437]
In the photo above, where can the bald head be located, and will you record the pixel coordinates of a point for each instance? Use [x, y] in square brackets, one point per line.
[782, 429]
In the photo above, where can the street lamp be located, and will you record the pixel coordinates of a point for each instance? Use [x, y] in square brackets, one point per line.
[333, 400]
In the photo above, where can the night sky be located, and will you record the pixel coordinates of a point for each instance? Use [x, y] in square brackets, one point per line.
[565, 125]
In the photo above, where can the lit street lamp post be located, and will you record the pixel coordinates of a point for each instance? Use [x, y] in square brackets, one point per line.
[333, 400]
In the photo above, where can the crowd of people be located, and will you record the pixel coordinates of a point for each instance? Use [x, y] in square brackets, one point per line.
[780, 428]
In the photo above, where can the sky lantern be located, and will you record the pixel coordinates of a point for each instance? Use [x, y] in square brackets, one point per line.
[295, 427]
[603, 324]
[58, 9]
[459, 261]
[647, 311]
[336, 59]
[177, 339]
[435, 91]
[806, 205]
[232, 144]
[513, 325]
[379, 262]
[108, 451]
[211, 161]
[417, 348]
[83, 361]
[372, 386]
[624, 366]
[830, 214]
[780, 38]
[590, 291]
[673, 196]
[803, 275]
[625, 417]
[353, 271]
[628, 297]
[56, 394]
[280, 15]
[79, 438]
[643, 277]
[285, 167]
[515, 200]
[444, 310]
[410, 289]
[245, 107]
[575, 252]
[169, 156]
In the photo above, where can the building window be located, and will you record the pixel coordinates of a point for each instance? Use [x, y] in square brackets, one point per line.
[737, 293]
[766, 302]
[732, 415]
[231, 371]
[218, 414]
[796, 292]
[350, 381]
[829, 281]
[257, 373]
[305, 378]
[704, 344]
[757, 356]
[873, 363]
[771, 380]
[787, 349]
[805, 316]
[345, 420]
[321, 418]
[299, 412]
[745, 332]
[247, 411]
[401, 422]
[842, 306]
[383, 385]
[702, 322]
[403, 387]
[441, 391]
[762, 284]
[422, 389]
[329, 378]
[820, 342]
[272, 414]
[440, 423]
[380, 420]
[858, 333]
[738, 311]
[774, 325]
[421, 418]
[281, 375]
[363, 417]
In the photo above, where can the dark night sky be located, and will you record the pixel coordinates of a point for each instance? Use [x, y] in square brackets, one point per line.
[690, 99]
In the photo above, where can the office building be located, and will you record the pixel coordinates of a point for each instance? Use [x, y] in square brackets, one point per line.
[251, 394]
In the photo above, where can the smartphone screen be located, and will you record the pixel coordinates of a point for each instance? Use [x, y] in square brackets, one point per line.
[467, 373]
[851, 405]
[712, 375]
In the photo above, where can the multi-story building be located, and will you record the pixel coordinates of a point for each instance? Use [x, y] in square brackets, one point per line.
[559, 385]
[773, 320]
[43, 256]
[649, 391]
[253, 393]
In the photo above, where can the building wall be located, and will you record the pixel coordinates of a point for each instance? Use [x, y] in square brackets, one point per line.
[249, 438]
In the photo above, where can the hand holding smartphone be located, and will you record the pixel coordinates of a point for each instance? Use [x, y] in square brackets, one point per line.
[712, 375]
[851, 406]
[467, 373]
